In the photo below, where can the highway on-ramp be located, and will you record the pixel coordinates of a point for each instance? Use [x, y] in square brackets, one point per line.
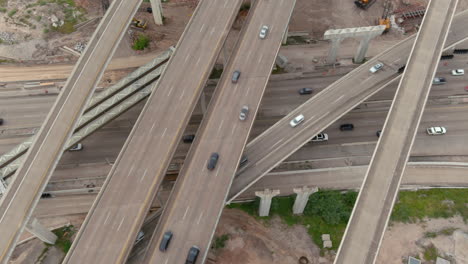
[279, 141]
[198, 199]
[112, 225]
[369, 219]
[24, 191]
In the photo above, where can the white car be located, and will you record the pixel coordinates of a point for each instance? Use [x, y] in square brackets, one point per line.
[297, 120]
[76, 147]
[376, 67]
[263, 32]
[458, 72]
[436, 130]
[320, 137]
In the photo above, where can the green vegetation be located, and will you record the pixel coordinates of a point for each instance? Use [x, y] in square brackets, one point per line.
[45, 30]
[220, 241]
[278, 70]
[3, 3]
[44, 251]
[3, 10]
[216, 73]
[64, 236]
[38, 18]
[434, 203]
[328, 212]
[430, 253]
[141, 42]
[12, 12]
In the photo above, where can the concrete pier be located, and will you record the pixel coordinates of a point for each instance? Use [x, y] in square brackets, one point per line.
[302, 198]
[41, 232]
[265, 201]
[157, 11]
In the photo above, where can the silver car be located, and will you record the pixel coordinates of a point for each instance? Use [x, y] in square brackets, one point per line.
[263, 32]
[297, 120]
[243, 113]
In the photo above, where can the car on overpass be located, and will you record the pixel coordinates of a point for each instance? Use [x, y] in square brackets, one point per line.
[165, 241]
[297, 120]
[235, 76]
[212, 161]
[376, 67]
[243, 113]
[263, 32]
[436, 130]
[76, 147]
[192, 255]
[458, 72]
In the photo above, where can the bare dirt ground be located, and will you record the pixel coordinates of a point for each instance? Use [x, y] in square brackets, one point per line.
[254, 241]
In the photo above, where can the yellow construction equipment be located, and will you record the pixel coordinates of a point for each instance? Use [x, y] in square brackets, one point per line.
[138, 24]
[385, 20]
[364, 4]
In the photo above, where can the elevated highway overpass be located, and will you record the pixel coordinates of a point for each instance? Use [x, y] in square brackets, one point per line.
[279, 141]
[116, 216]
[24, 191]
[369, 219]
[198, 198]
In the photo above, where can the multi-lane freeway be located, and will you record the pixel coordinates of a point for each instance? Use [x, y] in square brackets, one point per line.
[112, 225]
[198, 198]
[369, 219]
[278, 142]
[24, 191]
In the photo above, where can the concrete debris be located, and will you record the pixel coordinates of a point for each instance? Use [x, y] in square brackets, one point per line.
[7, 37]
[55, 21]
[80, 47]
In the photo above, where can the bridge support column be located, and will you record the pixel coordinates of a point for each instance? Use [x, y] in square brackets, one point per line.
[265, 201]
[302, 198]
[40, 231]
[364, 44]
[285, 37]
[333, 51]
[157, 11]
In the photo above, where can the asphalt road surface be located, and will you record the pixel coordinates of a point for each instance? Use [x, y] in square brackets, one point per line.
[281, 140]
[198, 198]
[112, 225]
[24, 192]
[369, 219]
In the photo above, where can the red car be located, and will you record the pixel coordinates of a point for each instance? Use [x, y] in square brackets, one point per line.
[466, 88]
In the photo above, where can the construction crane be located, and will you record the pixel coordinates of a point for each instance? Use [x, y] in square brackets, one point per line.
[385, 20]
[364, 4]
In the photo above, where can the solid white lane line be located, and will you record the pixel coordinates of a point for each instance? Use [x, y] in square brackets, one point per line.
[144, 174]
[185, 214]
[121, 222]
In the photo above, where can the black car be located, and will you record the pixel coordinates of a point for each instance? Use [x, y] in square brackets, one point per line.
[149, 10]
[46, 195]
[235, 76]
[166, 239]
[346, 127]
[1, 121]
[305, 91]
[212, 161]
[192, 255]
[188, 138]
[378, 133]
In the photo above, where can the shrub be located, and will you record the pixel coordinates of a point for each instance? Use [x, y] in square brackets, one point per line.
[141, 42]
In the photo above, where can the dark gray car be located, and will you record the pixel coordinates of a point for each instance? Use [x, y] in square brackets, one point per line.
[212, 161]
[166, 239]
[192, 255]
[235, 76]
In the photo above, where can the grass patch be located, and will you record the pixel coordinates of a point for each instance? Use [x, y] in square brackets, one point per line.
[278, 70]
[220, 241]
[38, 18]
[445, 232]
[3, 10]
[435, 203]
[64, 235]
[12, 12]
[3, 3]
[430, 253]
[67, 27]
[141, 42]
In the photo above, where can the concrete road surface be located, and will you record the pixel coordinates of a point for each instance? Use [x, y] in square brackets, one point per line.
[111, 227]
[198, 199]
[369, 219]
[279, 141]
[24, 191]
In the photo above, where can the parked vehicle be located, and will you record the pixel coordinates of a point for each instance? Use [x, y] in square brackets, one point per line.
[213, 161]
[346, 127]
[46, 195]
[166, 239]
[305, 91]
[243, 113]
[378, 133]
[320, 137]
[235, 76]
[376, 67]
[458, 72]
[76, 147]
[436, 130]
[192, 255]
[439, 80]
[263, 32]
[297, 120]
[188, 138]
